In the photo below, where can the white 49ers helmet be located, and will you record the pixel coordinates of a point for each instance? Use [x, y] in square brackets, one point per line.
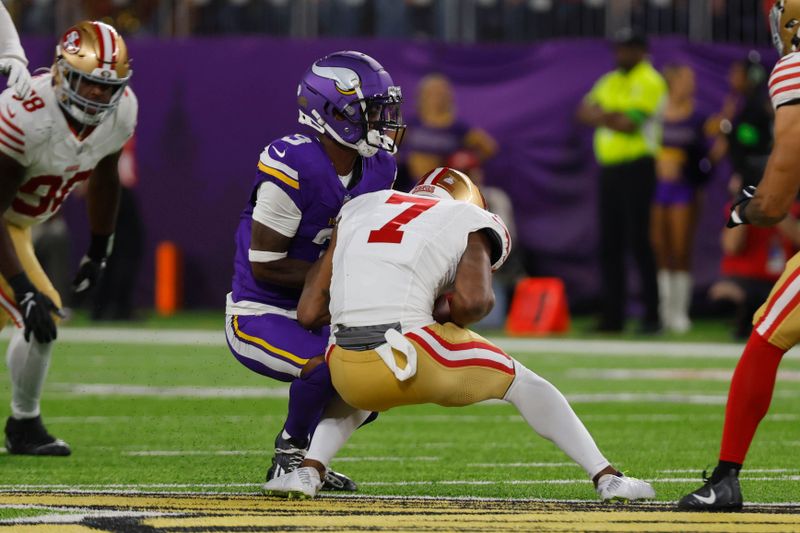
[446, 182]
[784, 20]
[90, 53]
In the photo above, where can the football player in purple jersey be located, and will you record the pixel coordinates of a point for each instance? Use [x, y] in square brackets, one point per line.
[351, 107]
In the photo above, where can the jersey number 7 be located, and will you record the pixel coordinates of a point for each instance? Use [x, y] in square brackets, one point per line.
[390, 232]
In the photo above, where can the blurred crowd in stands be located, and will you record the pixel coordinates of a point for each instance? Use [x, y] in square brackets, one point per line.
[741, 21]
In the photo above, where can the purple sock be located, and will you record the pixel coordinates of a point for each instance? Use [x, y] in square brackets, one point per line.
[308, 397]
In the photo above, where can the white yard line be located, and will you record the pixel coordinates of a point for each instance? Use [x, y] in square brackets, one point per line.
[747, 470]
[512, 345]
[520, 465]
[108, 389]
[345, 459]
[668, 374]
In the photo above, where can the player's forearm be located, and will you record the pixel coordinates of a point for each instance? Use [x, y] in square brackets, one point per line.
[286, 272]
[619, 122]
[103, 204]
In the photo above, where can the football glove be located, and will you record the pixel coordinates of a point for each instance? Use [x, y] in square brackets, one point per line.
[18, 76]
[35, 308]
[93, 263]
[737, 216]
[89, 272]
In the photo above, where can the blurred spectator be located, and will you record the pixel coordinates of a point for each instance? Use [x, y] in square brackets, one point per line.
[623, 106]
[504, 280]
[753, 260]
[680, 170]
[748, 132]
[437, 132]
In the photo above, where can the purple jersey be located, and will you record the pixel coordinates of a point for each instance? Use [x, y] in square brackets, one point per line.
[300, 167]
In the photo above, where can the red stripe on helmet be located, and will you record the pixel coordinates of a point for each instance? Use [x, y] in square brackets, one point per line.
[98, 30]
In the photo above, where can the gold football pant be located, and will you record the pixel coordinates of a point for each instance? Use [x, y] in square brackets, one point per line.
[778, 319]
[455, 367]
[21, 239]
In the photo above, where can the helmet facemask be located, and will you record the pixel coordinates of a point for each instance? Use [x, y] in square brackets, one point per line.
[784, 30]
[69, 82]
[381, 119]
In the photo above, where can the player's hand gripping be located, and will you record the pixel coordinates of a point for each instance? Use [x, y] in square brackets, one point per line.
[18, 76]
[36, 309]
[737, 216]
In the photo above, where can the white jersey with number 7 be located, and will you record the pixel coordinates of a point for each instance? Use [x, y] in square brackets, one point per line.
[396, 253]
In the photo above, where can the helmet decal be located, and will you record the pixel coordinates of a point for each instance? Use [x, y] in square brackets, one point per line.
[71, 43]
[347, 82]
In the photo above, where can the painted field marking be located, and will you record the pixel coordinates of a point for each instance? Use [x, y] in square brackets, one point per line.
[748, 470]
[520, 465]
[345, 459]
[103, 389]
[599, 347]
[88, 488]
[668, 374]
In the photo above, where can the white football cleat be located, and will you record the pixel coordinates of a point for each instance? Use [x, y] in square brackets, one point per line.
[301, 483]
[613, 487]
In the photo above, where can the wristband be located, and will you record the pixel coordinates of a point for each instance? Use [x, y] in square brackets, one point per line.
[99, 247]
[20, 284]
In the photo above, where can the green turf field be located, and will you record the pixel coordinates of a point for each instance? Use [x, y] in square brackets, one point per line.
[184, 416]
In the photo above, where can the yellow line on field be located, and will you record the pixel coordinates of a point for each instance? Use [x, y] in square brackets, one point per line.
[343, 514]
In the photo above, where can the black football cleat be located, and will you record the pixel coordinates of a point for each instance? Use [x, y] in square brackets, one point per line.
[723, 496]
[336, 481]
[29, 437]
[289, 453]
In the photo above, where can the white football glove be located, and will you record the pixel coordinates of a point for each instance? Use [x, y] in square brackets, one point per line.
[18, 76]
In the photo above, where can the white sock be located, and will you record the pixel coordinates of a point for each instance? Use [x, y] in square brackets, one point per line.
[338, 422]
[27, 364]
[682, 299]
[665, 304]
[548, 413]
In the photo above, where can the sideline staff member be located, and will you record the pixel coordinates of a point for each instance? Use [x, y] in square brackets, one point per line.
[624, 106]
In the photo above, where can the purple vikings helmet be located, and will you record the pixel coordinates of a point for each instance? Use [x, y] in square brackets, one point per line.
[351, 98]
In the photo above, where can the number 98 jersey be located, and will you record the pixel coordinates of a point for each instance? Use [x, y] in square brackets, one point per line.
[396, 252]
[36, 134]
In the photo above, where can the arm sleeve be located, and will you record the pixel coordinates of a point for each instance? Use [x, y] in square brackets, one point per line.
[276, 210]
[784, 82]
[649, 99]
[9, 39]
[593, 96]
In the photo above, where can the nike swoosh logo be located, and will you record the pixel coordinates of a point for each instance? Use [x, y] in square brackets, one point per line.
[10, 114]
[278, 152]
[707, 499]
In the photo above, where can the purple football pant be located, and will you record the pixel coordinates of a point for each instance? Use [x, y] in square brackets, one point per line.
[272, 345]
[278, 347]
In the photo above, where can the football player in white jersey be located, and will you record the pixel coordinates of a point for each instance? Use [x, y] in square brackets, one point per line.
[69, 129]
[403, 277]
[776, 324]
